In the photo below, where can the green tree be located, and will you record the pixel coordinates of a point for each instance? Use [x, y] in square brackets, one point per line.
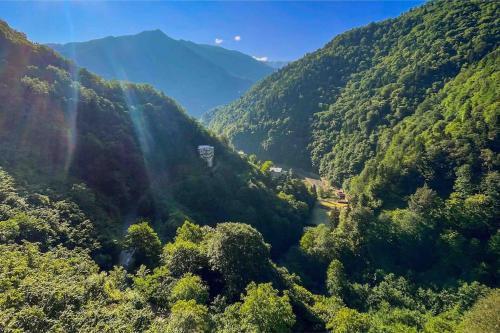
[484, 317]
[262, 310]
[183, 257]
[445, 322]
[189, 287]
[335, 278]
[31, 319]
[189, 232]
[144, 244]
[239, 253]
[319, 242]
[229, 321]
[9, 231]
[188, 317]
[392, 290]
[425, 201]
[155, 287]
[26, 227]
[349, 321]
[464, 185]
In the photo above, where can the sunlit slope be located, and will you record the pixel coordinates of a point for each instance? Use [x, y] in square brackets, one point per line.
[199, 77]
[329, 108]
[130, 145]
[453, 138]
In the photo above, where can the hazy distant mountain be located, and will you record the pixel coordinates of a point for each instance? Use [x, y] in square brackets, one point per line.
[277, 64]
[235, 63]
[199, 77]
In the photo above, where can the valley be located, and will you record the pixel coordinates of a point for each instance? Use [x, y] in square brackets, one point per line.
[354, 190]
[326, 200]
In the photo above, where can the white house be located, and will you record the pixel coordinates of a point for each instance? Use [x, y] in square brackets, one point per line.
[207, 154]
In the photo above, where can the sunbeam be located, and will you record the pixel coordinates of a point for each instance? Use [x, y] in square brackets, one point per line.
[71, 108]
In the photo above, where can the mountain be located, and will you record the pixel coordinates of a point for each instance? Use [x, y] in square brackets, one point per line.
[277, 64]
[451, 143]
[198, 76]
[125, 150]
[235, 63]
[335, 109]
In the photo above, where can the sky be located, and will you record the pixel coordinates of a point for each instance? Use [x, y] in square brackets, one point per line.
[274, 31]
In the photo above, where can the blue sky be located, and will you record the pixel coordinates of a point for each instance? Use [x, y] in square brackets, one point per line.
[272, 30]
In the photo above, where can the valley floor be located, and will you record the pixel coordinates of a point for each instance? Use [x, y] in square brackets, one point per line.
[326, 202]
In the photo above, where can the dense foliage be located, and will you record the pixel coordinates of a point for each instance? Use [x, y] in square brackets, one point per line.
[404, 114]
[198, 76]
[223, 279]
[451, 143]
[60, 289]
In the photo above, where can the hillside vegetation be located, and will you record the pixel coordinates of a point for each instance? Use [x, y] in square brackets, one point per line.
[206, 279]
[404, 115]
[335, 108]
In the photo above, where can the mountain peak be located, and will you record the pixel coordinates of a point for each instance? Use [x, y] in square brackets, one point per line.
[155, 32]
[198, 77]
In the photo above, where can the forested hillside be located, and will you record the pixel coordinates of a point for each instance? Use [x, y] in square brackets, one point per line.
[123, 149]
[451, 143]
[198, 76]
[330, 108]
[404, 114]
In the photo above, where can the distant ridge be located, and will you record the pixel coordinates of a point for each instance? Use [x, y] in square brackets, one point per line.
[277, 64]
[200, 77]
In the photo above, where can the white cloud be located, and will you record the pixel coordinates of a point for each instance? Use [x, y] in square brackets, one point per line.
[263, 59]
[218, 41]
[237, 38]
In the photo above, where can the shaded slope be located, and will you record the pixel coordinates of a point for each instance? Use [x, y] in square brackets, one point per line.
[453, 130]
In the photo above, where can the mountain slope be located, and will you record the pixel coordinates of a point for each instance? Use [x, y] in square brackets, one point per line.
[235, 63]
[453, 137]
[200, 77]
[133, 148]
[277, 64]
[329, 108]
